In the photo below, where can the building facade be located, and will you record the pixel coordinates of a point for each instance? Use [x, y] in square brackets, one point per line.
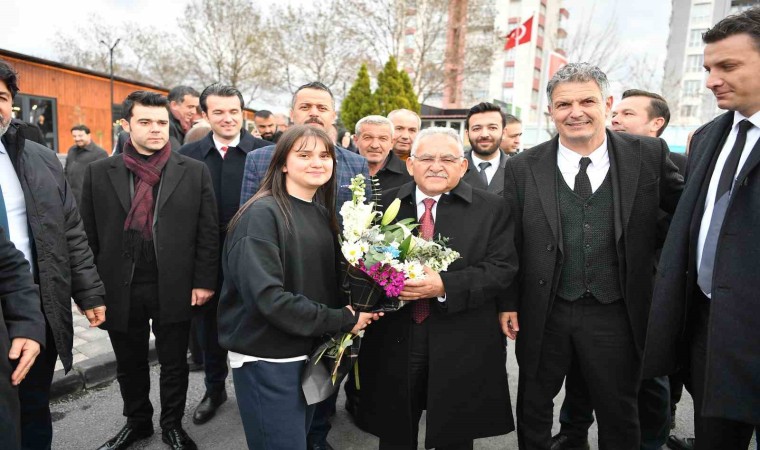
[691, 103]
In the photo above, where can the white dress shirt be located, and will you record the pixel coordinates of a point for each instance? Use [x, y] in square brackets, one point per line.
[569, 163]
[752, 136]
[15, 206]
[490, 170]
[219, 145]
[420, 196]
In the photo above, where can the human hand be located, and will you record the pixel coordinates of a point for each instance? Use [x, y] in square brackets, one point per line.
[364, 320]
[96, 315]
[509, 324]
[27, 350]
[200, 296]
[429, 287]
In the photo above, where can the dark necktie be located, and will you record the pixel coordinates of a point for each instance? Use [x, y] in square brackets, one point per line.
[483, 166]
[4, 216]
[722, 196]
[421, 307]
[582, 182]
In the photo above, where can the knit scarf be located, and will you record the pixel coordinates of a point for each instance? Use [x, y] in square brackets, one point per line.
[138, 228]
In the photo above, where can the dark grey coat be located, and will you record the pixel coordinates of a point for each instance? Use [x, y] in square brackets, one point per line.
[733, 343]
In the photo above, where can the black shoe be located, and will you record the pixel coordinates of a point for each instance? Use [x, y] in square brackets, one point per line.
[208, 406]
[177, 439]
[127, 436]
[565, 442]
[677, 443]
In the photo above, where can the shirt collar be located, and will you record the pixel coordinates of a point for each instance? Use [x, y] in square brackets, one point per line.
[2, 148]
[598, 156]
[494, 162]
[235, 142]
[419, 196]
[755, 118]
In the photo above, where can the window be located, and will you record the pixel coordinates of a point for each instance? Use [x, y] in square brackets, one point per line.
[694, 63]
[691, 87]
[689, 111]
[695, 37]
[507, 95]
[540, 31]
[536, 74]
[509, 74]
[534, 98]
[701, 12]
[510, 55]
[41, 111]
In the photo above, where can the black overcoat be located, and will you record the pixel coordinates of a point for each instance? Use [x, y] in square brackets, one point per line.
[468, 395]
[732, 376]
[185, 235]
[643, 180]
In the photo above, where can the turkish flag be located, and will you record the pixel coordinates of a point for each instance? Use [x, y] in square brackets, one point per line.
[556, 62]
[519, 35]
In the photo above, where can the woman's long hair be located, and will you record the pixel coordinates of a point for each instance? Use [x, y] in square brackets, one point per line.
[273, 183]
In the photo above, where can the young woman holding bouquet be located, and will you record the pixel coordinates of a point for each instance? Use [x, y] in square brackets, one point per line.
[280, 290]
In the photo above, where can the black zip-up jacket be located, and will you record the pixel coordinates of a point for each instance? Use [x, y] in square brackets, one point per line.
[64, 266]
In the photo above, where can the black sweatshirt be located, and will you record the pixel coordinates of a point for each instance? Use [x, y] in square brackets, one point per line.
[280, 288]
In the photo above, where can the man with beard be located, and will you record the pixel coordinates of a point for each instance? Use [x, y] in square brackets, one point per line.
[485, 128]
[266, 125]
[43, 223]
[183, 105]
[406, 125]
[82, 153]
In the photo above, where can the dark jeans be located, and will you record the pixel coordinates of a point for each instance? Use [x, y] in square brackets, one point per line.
[418, 375]
[274, 411]
[214, 356]
[132, 368]
[34, 398]
[597, 337]
[576, 415]
[320, 424]
[711, 432]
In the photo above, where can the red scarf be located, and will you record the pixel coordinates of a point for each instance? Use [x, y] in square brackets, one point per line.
[138, 228]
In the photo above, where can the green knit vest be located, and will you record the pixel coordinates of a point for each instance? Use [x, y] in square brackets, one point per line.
[590, 265]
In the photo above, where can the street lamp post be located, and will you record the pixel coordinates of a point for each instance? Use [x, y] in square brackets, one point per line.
[110, 106]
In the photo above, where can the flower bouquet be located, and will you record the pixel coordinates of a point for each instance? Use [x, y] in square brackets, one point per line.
[379, 257]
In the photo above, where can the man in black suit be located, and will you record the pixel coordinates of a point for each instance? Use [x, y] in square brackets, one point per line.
[444, 352]
[705, 313]
[223, 150]
[22, 331]
[183, 106]
[484, 127]
[640, 113]
[586, 205]
[374, 139]
[151, 221]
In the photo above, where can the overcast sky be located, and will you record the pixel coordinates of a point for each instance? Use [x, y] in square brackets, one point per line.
[30, 27]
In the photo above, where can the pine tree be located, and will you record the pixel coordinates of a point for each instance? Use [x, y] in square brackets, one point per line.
[409, 93]
[391, 93]
[359, 101]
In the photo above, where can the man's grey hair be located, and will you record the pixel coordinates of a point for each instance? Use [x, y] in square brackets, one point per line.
[438, 131]
[396, 111]
[578, 73]
[373, 120]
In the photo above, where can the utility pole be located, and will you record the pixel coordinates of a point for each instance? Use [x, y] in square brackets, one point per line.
[110, 105]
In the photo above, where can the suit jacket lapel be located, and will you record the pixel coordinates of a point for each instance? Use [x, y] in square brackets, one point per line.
[625, 165]
[119, 176]
[497, 182]
[752, 160]
[544, 167]
[171, 177]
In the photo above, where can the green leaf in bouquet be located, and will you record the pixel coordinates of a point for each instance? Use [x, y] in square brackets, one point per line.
[405, 247]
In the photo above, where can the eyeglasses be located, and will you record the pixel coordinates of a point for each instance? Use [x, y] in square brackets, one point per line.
[444, 159]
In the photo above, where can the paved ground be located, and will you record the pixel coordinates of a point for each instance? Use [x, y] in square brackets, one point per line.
[89, 418]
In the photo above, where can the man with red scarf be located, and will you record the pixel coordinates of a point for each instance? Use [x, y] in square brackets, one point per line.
[151, 221]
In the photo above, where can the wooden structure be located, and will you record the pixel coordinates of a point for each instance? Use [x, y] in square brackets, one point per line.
[78, 96]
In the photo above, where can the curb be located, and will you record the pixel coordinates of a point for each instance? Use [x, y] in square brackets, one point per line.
[90, 373]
